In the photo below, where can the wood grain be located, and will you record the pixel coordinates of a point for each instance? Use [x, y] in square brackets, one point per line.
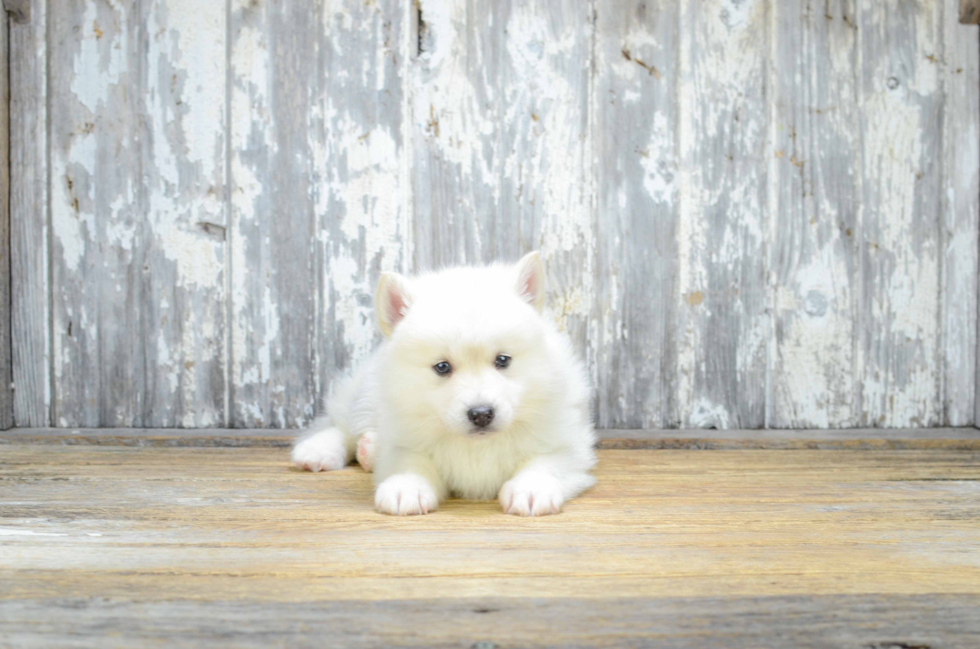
[183, 229]
[6, 372]
[95, 86]
[273, 229]
[961, 204]
[95, 536]
[815, 161]
[820, 622]
[360, 129]
[137, 166]
[722, 319]
[31, 318]
[637, 204]
[899, 349]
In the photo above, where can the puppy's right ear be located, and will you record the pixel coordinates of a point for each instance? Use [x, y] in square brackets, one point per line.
[391, 302]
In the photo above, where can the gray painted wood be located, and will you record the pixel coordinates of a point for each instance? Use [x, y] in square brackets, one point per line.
[637, 206]
[97, 222]
[722, 320]
[900, 90]
[183, 250]
[137, 180]
[961, 205]
[361, 183]
[317, 196]
[826, 621]
[6, 374]
[751, 213]
[815, 162]
[274, 53]
[30, 322]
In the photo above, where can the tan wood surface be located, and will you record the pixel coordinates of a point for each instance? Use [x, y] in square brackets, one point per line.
[199, 544]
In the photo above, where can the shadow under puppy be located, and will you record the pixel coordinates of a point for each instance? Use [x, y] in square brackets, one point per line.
[473, 393]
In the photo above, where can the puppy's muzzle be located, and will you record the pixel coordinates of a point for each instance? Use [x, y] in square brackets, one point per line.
[481, 416]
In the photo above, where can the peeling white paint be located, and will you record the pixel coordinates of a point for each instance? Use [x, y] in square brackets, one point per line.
[101, 61]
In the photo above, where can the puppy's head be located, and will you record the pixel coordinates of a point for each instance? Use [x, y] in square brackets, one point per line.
[468, 351]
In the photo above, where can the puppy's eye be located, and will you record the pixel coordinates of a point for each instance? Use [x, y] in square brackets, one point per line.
[442, 368]
[502, 361]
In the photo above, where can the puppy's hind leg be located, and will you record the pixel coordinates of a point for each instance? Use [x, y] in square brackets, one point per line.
[366, 447]
[324, 447]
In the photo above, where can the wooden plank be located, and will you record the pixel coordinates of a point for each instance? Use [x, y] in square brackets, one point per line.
[184, 221]
[951, 439]
[722, 319]
[969, 12]
[892, 439]
[30, 295]
[821, 622]
[361, 189]
[961, 213]
[6, 373]
[218, 525]
[816, 169]
[636, 170]
[501, 142]
[319, 186]
[96, 215]
[138, 212]
[899, 352]
[274, 62]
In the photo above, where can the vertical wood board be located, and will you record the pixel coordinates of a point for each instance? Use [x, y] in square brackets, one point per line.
[722, 322]
[183, 247]
[361, 177]
[30, 297]
[6, 375]
[137, 181]
[95, 86]
[960, 70]
[899, 352]
[273, 224]
[815, 160]
[636, 170]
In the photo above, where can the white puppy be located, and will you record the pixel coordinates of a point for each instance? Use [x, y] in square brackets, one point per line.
[474, 393]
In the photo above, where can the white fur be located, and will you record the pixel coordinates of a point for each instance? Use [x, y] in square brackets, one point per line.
[410, 424]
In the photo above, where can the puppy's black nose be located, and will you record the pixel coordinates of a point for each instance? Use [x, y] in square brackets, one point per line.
[481, 416]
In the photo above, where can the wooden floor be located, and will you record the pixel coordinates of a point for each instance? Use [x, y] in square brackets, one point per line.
[128, 546]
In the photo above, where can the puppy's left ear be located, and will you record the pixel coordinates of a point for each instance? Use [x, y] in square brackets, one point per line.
[391, 302]
[531, 280]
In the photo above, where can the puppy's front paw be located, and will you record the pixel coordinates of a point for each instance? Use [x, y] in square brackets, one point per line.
[324, 451]
[532, 494]
[405, 494]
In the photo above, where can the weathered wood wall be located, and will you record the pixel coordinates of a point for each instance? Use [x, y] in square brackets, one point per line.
[6, 371]
[753, 213]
